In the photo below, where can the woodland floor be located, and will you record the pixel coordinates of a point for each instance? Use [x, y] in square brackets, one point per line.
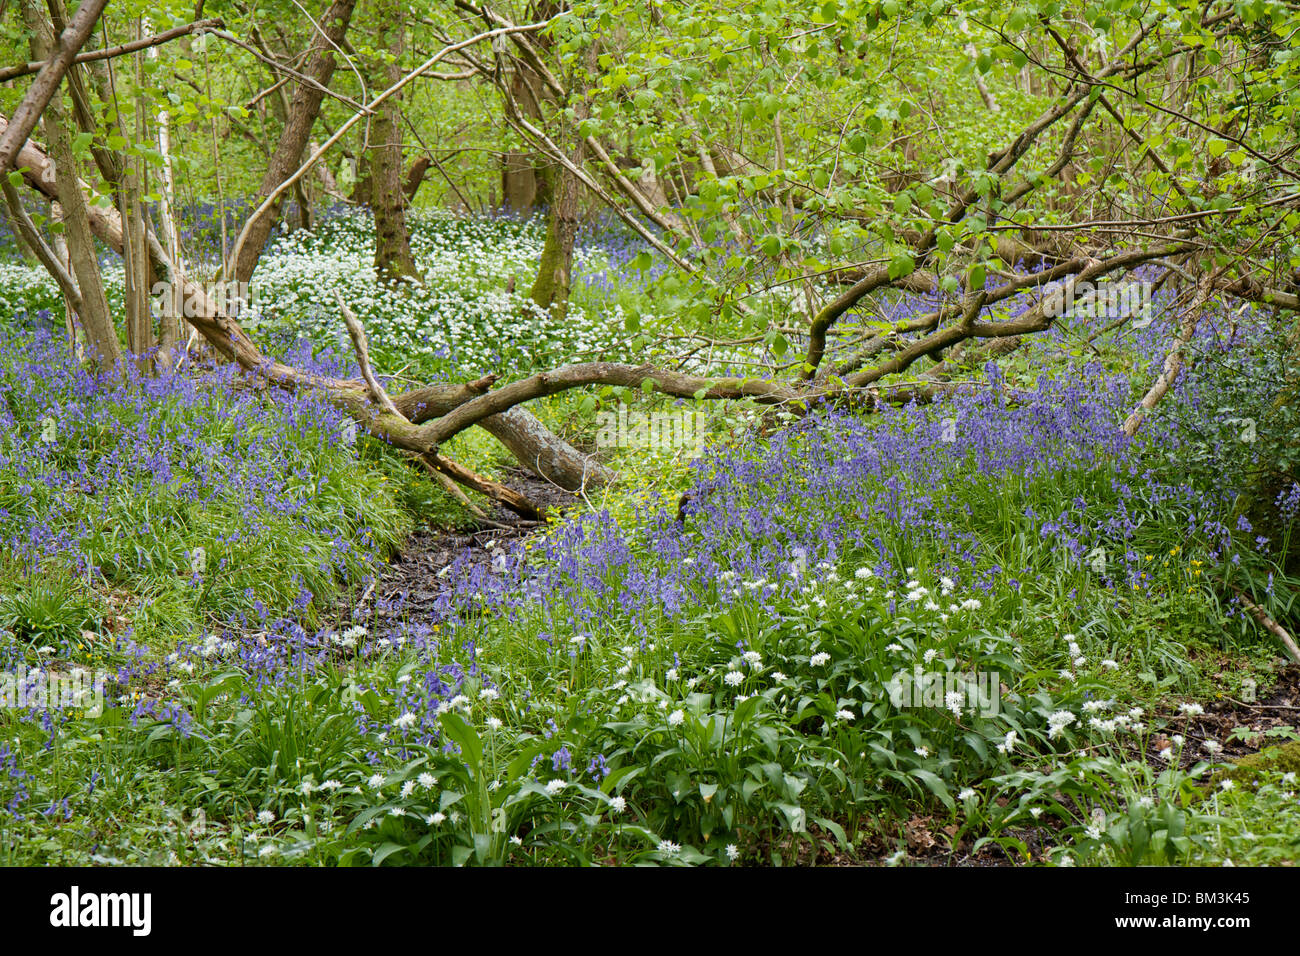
[410, 585]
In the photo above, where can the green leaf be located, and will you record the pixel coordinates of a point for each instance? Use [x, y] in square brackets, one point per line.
[460, 853]
[901, 265]
[463, 734]
[936, 786]
[385, 851]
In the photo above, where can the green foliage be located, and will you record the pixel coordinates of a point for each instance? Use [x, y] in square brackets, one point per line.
[46, 611]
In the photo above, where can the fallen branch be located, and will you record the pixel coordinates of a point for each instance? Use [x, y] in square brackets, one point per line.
[1267, 623]
[443, 467]
[453, 489]
[512, 499]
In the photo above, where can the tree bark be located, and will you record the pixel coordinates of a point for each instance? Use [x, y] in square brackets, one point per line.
[140, 339]
[393, 259]
[526, 178]
[555, 270]
[415, 178]
[101, 335]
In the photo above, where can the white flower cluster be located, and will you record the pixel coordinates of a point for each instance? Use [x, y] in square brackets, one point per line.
[460, 311]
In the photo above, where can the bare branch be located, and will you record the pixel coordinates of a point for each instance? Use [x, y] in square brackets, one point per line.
[122, 49]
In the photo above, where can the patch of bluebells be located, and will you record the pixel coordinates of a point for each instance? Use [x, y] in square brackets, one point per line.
[106, 476]
[904, 480]
[70, 437]
[17, 782]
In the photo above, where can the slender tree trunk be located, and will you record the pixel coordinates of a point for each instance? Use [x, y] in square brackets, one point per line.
[140, 339]
[326, 176]
[171, 323]
[555, 271]
[297, 131]
[101, 335]
[24, 249]
[393, 259]
[71, 319]
[526, 179]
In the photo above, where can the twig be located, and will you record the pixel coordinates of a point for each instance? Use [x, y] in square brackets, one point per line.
[13, 72]
[1261, 617]
[358, 335]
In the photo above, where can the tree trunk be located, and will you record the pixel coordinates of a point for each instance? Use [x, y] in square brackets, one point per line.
[393, 259]
[543, 452]
[519, 181]
[140, 339]
[101, 335]
[24, 249]
[526, 179]
[554, 272]
[302, 116]
[71, 319]
[327, 179]
[415, 178]
[170, 336]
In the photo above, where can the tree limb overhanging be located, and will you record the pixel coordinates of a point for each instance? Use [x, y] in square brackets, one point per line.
[122, 49]
[43, 88]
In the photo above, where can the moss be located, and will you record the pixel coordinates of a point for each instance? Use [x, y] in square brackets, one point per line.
[1251, 770]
